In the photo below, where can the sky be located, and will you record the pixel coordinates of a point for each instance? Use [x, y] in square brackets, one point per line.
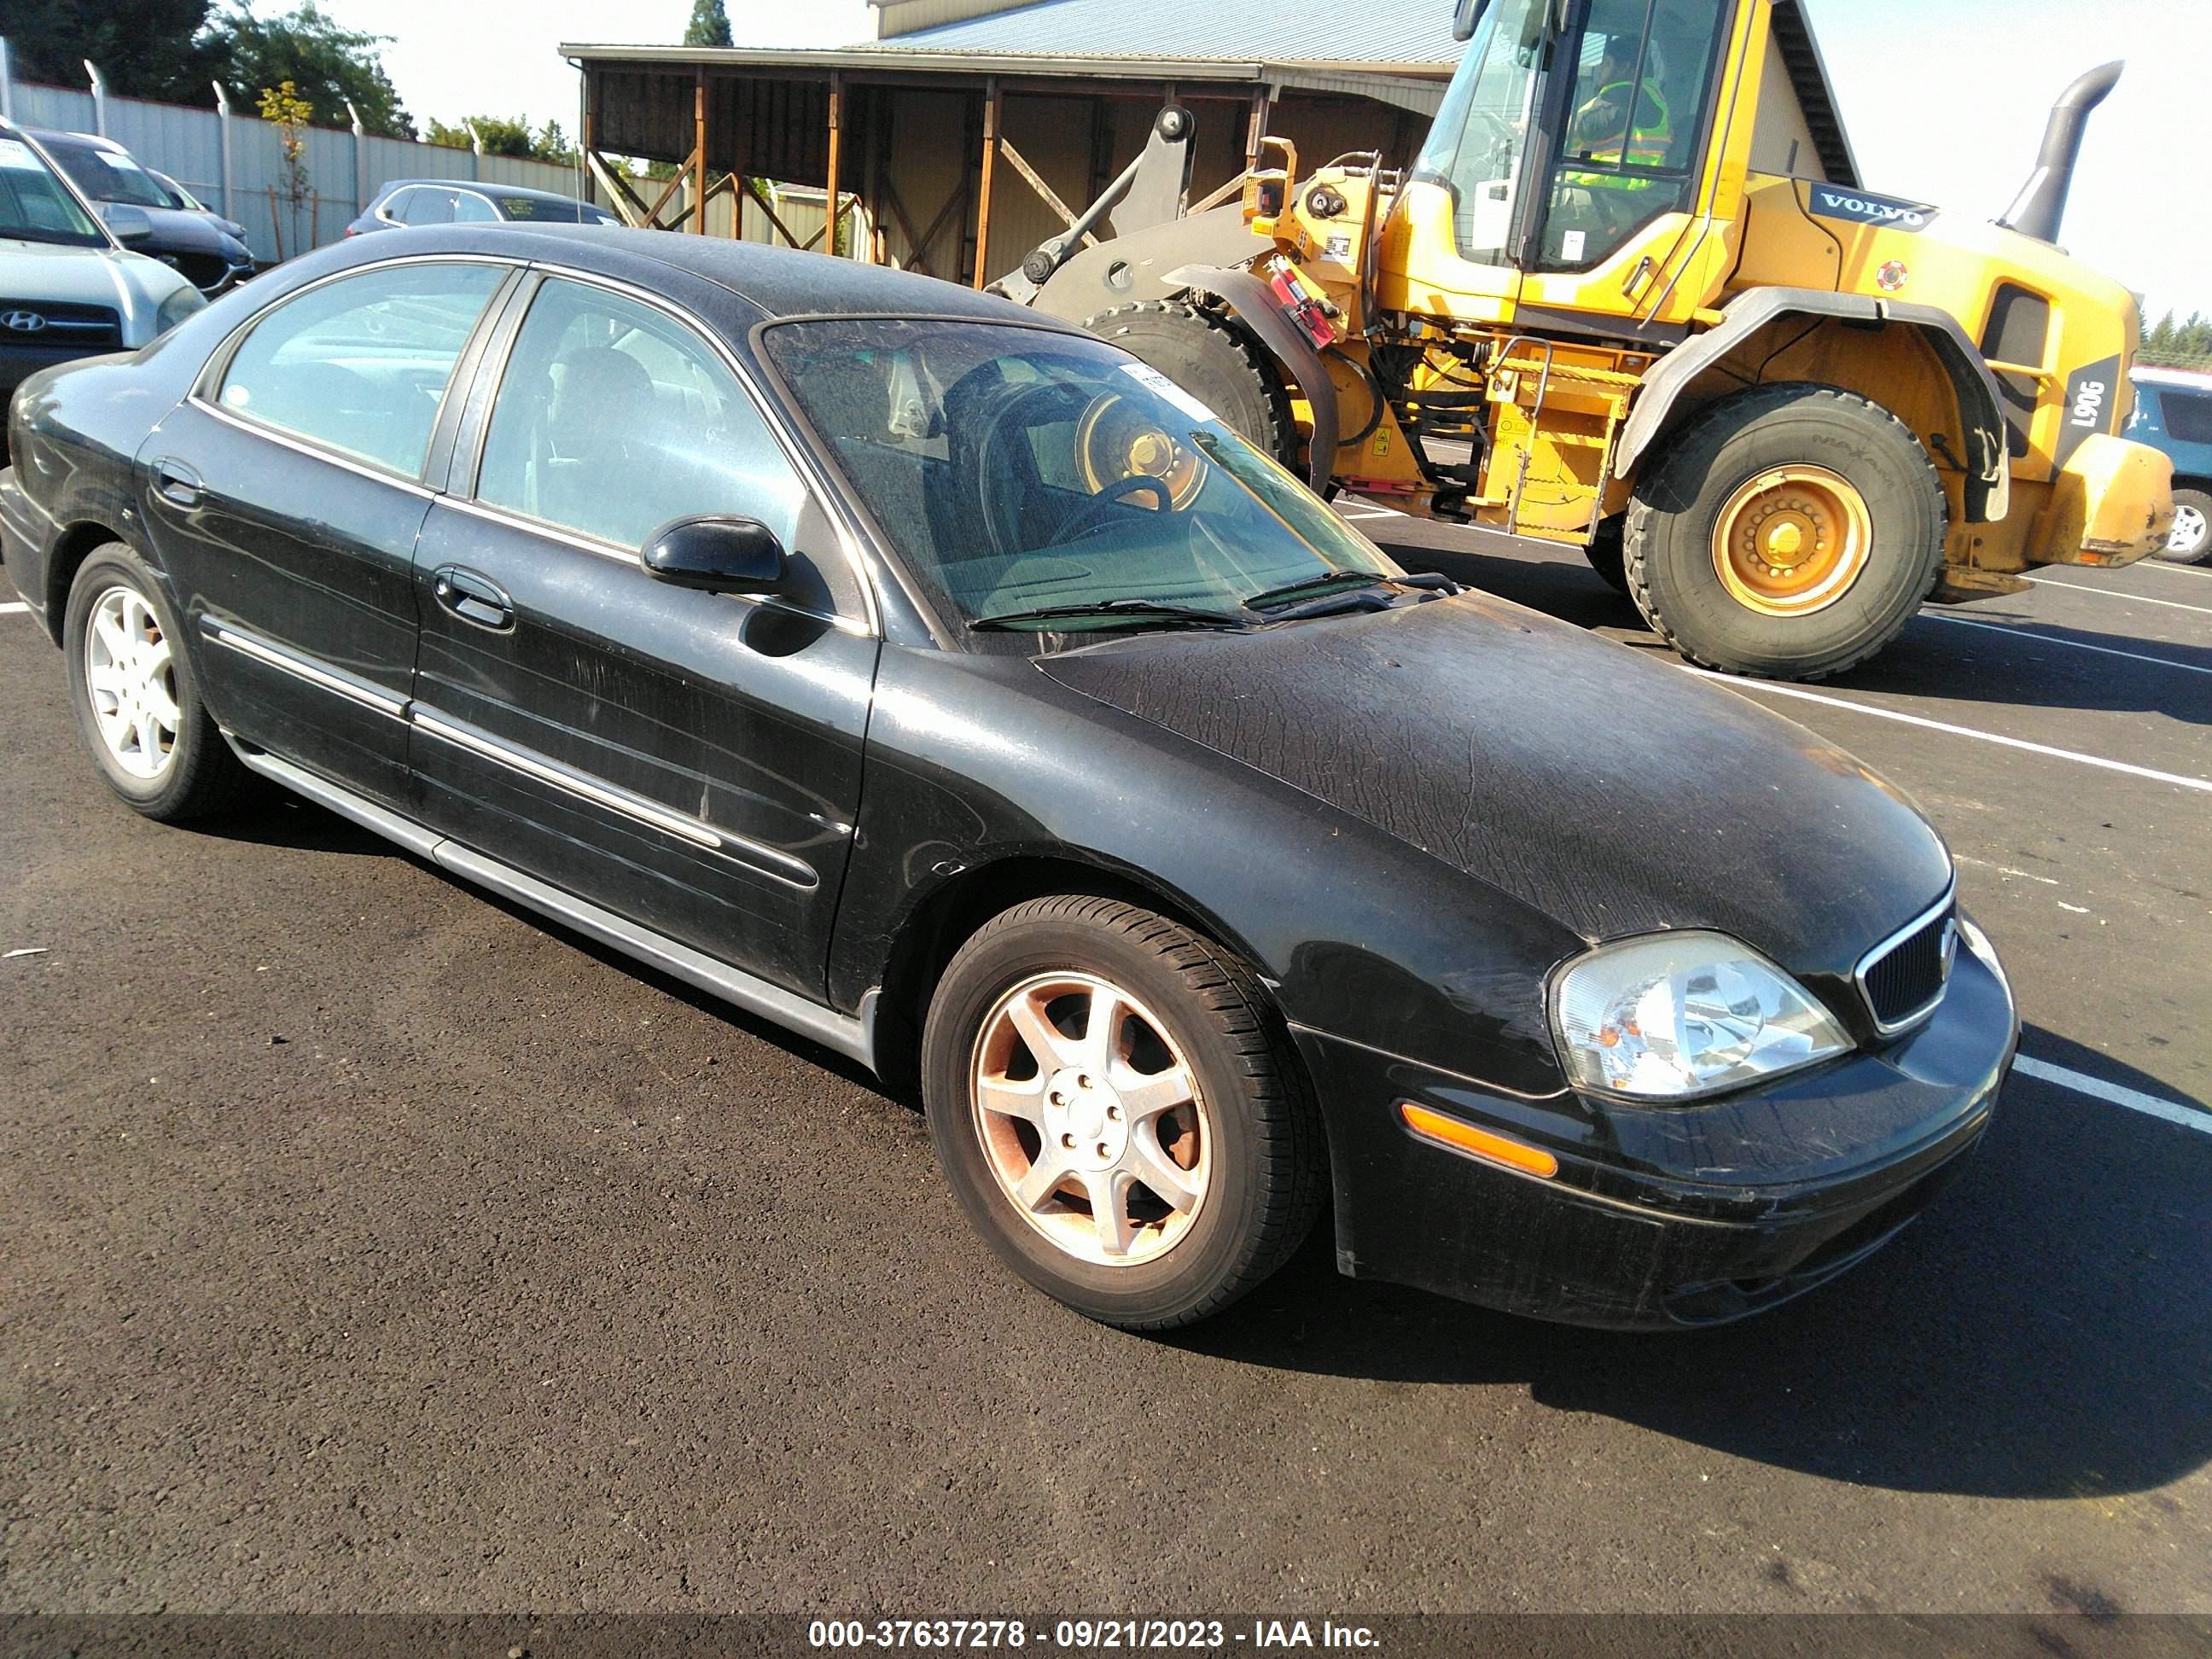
[1944, 102]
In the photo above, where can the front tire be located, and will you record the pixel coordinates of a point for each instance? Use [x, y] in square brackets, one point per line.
[137, 701]
[2190, 542]
[1117, 1112]
[1788, 531]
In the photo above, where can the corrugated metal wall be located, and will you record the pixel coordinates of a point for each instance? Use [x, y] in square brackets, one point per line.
[343, 172]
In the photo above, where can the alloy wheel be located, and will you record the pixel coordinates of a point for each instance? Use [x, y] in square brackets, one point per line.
[1091, 1119]
[2186, 539]
[131, 677]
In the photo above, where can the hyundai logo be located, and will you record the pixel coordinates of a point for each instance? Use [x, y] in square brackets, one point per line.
[24, 322]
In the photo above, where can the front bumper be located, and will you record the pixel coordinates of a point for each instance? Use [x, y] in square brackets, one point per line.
[2111, 503]
[1661, 1217]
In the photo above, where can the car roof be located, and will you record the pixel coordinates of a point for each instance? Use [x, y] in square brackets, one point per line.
[779, 281]
[481, 186]
[2178, 380]
[89, 140]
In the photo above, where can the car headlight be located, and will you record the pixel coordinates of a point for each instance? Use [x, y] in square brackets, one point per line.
[1674, 1016]
[1978, 943]
[178, 307]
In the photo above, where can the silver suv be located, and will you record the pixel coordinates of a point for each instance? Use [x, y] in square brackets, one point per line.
[68, 285]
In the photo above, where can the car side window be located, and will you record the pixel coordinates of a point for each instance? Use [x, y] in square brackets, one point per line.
[613, 418]
[428, 207]
[470, 208]
[361, 363]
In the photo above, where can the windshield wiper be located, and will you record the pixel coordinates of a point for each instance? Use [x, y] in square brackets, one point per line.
[1327, 579]
[1136, 609]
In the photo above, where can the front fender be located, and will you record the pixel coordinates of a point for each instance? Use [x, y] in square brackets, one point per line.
[1254, 302]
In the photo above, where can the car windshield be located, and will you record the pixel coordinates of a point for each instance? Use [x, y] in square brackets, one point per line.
[545, 212]
[109, 175]
[36, 207]
[1024, 470]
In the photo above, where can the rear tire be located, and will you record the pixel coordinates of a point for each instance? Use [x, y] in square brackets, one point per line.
[137, 700]
[1036, 1114]
[1216, 360]
[1843, 480]
[2191, 542]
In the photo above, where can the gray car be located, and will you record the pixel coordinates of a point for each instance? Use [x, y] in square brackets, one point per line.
[195, 243]
[400, 202]
[69, 287]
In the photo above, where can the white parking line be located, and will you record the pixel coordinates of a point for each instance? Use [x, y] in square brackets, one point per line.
[1742, 687]
[2114, 593]
[12, 607]
[2169, 565]
[2026, 631]
[2134, 1100]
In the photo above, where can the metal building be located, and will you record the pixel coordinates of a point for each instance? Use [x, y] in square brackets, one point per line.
[971, 130]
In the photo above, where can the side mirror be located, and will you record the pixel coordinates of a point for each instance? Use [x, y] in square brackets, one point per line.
[1466, 17]
[128, 223]
[718, 553]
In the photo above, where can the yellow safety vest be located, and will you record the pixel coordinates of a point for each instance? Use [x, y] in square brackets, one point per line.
[1648, 130]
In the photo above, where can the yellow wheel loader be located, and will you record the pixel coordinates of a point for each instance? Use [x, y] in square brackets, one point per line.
[1632, 296]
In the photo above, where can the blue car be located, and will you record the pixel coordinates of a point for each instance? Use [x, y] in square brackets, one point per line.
[2173, 413]
[458, 201]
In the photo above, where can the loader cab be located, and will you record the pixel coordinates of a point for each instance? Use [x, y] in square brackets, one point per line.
[1572, 132]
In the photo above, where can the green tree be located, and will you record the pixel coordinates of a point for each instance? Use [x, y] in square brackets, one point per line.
[326, 62]
[145, 48]
[709, 25]
[507, 135]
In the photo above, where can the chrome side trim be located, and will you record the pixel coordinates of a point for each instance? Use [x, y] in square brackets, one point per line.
[848, 1035]
[276, 656]
[1866, 964]
[343, 802]
[826, 1026]
[767, 860]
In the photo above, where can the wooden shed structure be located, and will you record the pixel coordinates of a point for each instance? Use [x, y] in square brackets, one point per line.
[957, 147]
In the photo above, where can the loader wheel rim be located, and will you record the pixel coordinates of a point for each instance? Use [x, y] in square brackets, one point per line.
[1792, 540]
[1115, 439]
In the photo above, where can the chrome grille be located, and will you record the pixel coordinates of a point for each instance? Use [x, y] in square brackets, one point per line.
[59, 324]
[1902, 977]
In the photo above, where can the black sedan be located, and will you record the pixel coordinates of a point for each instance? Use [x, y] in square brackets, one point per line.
[949, 687]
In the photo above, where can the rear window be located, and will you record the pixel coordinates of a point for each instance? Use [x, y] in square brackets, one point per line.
[2188, 415]
[553, 213]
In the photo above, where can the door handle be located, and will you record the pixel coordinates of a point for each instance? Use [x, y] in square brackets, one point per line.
[177, 484]
[473, 598]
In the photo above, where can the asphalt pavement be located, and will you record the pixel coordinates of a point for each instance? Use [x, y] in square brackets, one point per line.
[370, 1246]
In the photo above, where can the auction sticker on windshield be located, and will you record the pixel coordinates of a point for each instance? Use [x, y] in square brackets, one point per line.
[1158, 384]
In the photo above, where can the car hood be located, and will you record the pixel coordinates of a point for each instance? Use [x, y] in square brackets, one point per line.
[131, 282]
[1616, 793]
[179, 230]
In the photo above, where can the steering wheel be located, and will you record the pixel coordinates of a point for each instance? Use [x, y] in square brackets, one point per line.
[1088, 515]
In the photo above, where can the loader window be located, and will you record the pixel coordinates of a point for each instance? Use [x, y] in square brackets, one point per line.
[1474, 148]
[1634, 123]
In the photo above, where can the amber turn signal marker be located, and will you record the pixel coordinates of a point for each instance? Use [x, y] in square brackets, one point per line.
[1483, 1144]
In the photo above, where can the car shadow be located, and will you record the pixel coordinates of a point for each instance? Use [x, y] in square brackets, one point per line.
[2011, 658]
[2044, 1331]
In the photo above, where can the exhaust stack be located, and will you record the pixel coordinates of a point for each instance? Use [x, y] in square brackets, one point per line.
[2041, 203]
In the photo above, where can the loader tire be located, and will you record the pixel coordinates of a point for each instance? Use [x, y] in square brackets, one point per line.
[1787, 531]
[1214, 358]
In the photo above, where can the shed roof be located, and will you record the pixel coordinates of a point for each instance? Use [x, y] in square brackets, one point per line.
[1388, 32]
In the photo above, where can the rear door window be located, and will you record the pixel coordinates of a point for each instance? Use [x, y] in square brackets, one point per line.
[2188, 415]
[361, 363]
[427, 207]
